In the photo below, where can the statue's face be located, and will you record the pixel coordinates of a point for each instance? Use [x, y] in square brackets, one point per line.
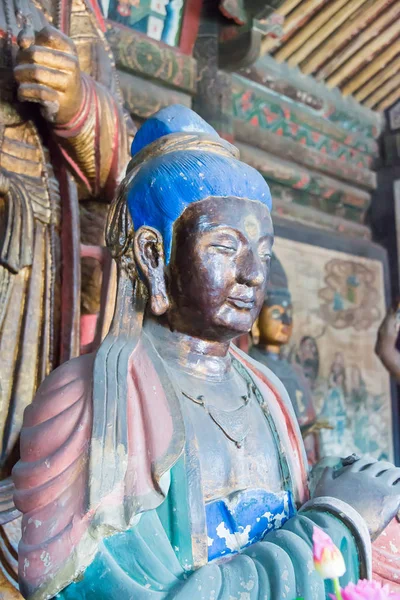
[219, 267]
[275, 324]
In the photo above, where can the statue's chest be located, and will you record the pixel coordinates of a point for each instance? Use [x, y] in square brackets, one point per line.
[243, 490]
[226, 465]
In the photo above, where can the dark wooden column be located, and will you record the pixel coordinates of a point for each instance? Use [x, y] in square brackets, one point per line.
[213, 100]
[385, 212]
[384, 220]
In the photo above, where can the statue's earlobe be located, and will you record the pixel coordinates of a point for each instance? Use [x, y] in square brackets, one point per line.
[149, 256]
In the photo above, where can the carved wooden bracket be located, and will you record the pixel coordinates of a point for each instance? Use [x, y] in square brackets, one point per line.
[245, 24]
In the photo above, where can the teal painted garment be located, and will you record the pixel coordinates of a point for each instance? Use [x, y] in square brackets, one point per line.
[142, 564]
[153, 560]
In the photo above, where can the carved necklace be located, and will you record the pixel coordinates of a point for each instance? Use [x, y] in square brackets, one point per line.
[234, 424]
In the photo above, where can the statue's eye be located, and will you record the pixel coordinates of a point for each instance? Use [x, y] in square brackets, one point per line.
[265, 257]
[276, 314]
[224, 248]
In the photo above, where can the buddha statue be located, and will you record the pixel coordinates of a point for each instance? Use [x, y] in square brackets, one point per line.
[63, 147]
[272, 332]
[169, 464]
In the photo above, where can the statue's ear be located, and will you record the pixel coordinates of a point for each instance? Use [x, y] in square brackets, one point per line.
[149, 256]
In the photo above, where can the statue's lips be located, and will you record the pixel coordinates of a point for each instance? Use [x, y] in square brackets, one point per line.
[243, 304]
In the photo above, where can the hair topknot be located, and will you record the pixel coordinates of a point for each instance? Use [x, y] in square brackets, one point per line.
[172, 119]
[165, 185]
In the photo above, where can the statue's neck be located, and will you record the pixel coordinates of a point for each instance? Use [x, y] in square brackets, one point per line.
[201, 358]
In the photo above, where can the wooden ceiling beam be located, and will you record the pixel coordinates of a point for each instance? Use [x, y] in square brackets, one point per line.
[389, 100]
[306, 32]
[361, 19]
[321, 34]
[379, 79]
[383, 92]
[374, 67]
[363, 56]
[370, 33]
[292, 22]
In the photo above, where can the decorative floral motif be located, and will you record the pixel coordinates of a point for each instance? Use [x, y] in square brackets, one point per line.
[350, 298]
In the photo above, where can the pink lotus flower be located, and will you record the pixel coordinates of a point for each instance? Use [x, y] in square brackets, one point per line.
[367, 590]
[328, 559]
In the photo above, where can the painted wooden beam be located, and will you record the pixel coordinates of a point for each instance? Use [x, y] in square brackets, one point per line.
[389, 100]
[384, 91]
[292, 21]
[360, 19]
[331, 193]
[293, 151]
[144, 98]
[286, 209]
[141, 55]
[374, 67]
[306, 32]
[376, 82]
[364, 56]
[268, 111]
[320, 34]
[371, 32]
[362, 124]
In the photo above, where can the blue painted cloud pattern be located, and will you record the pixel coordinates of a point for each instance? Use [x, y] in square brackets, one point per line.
[244, 518]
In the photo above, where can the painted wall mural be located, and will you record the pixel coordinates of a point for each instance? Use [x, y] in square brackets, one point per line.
[338, 302]
[159, 19]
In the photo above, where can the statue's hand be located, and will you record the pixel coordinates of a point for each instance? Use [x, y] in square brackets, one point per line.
[371, 487]
[48, 73]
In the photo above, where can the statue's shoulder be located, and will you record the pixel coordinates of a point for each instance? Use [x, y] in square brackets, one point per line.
[56, 429]
[51, 476]
[67, 386]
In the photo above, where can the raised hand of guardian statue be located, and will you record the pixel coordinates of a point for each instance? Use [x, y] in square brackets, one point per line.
[371, 487]
[48, 73]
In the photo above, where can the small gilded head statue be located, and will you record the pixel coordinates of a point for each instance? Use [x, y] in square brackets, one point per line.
[275, 323]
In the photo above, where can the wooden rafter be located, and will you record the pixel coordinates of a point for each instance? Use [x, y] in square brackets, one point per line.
[363, 56]
[374, 67]
[292, 21]
[383, 91]
[361, 19]
[306, 32]
[389, 100]
[350, 44]
[373, 84]
[372, 32]
[287, 7]
[321, 34]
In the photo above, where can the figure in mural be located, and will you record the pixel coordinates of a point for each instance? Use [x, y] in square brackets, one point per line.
[274, 329]
[145, 466]
[307, 357]
[347, 408]
[60, 107]
[334, 409]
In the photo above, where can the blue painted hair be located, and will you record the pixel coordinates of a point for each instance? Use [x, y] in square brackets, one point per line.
[167, 184]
